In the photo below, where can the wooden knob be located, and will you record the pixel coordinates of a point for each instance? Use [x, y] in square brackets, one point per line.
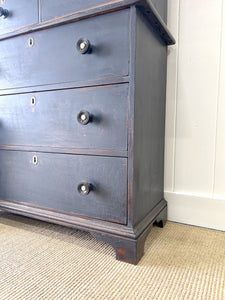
[84, 117]
[84, 188]
[4, 13]
[84, 46]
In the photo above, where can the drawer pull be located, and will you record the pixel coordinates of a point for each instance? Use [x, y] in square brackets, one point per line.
[84, 188]
[4, 13]
[84, 117]
[84, 46]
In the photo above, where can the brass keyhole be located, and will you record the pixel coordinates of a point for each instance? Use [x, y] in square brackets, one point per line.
[35, 160]
[31, 42]
[33, 101]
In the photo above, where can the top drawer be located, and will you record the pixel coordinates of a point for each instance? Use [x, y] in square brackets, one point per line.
[51, 9]
[21, 14]
[51, 56]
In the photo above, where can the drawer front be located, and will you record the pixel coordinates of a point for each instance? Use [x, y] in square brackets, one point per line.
[21, 14]
[51, 56]
[51, 8]
[93, 118]
[53, 181]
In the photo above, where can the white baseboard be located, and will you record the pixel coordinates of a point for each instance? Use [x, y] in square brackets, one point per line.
[196, 210]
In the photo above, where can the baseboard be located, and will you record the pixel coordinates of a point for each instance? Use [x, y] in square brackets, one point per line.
[196, 210]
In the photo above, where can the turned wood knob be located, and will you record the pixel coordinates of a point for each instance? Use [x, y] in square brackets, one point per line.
[84, 117]
[4, 13]
[84, 188]
[84, 46]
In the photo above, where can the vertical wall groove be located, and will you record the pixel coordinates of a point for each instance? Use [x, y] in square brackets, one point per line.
[175, 113]
[195, 135]
[173, 23]
[218, 95]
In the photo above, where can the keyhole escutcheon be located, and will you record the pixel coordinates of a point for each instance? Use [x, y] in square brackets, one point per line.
[30, 42]
[35, 160]
[33, 101]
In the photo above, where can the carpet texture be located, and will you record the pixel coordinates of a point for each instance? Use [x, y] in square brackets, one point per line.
[44, 261]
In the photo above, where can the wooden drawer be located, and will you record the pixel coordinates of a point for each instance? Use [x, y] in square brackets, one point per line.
[21, 14]
[51, 9]
[53, 56]
[53, 183]
[53, 119]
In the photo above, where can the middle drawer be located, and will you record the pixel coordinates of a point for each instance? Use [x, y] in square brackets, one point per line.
[93, 118]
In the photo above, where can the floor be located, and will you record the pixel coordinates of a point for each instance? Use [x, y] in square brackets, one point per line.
[45, 261]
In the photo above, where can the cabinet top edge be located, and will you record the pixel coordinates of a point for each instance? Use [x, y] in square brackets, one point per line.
[145, 6]
[149, 11]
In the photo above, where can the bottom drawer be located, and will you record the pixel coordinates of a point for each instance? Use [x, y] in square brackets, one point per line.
[86, 185]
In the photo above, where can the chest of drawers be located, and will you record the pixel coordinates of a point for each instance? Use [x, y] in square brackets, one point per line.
[82, 116]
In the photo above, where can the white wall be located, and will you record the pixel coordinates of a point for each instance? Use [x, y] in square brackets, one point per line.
[195, 113]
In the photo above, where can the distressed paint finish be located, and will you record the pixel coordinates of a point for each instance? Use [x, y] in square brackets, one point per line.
[45, 153]
[48, 123]
[54, 58]
[21, 14]
[149, 120]
[52, 183]
[51, 8]
[153, 16]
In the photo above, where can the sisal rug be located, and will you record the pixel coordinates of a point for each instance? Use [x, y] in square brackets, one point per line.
[44, 261]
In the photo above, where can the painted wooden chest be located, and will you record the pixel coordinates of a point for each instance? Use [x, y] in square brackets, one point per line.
[82, 115]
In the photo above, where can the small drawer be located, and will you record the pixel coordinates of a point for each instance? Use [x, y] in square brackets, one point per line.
[88, 49]
[93, 118]
[20, 14]
[51, 9]
[95, 187]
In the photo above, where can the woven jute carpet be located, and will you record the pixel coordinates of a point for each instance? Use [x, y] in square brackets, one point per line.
[44, 261]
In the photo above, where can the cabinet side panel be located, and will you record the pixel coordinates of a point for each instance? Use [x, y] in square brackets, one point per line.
[149, 119]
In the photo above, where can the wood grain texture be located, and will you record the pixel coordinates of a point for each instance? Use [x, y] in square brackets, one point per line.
[55, 59]
[131, 115]
[51, 9]
[148, 9]
[132, 250]
[128, 57]
[129, 247]
[67, 85]
[53, 182]
[149, 120]
[52, 121]
[63, 150]
[70, 220]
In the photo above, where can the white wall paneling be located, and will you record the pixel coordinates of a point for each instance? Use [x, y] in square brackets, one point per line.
[219, 179]
[173, 19]
[195, 113]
